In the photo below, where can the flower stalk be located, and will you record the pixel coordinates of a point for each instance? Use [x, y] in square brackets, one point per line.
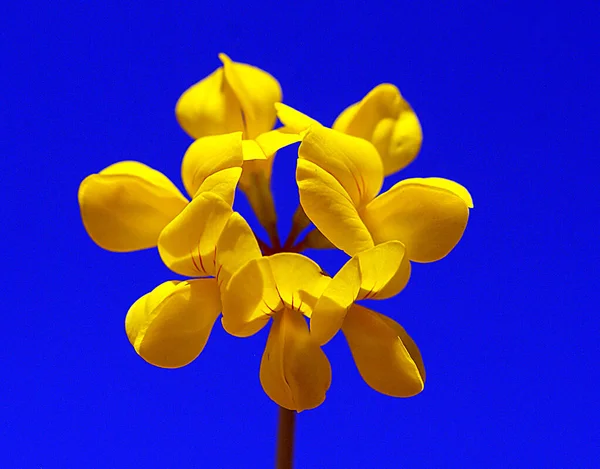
[285, 439]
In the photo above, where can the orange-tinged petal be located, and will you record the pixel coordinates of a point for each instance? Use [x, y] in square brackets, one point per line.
[294, 371]
[126, 206]
[210, 107]
[236, 246]
[206, 157]
[352, 161]
[256, 91]
[386, 357]
[169, 326]
[426, 216]
[188, 244]
[385, 119]
[331, 209]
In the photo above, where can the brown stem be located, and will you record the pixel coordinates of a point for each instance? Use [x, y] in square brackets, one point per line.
[299, 222]
[285, 439]
[264, 247]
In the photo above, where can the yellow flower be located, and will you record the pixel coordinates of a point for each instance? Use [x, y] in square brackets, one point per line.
[294, 371]
[339, 178]
[235, 97]
[385, 355]
[169, 326]
[386, 120]
[129, 206]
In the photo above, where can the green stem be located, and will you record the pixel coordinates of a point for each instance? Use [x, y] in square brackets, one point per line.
[285, 438]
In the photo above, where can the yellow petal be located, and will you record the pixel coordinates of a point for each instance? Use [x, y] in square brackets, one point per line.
[384, 271]
[250, 298]
[252, 151]
[236, 246]
[187, 245]
[331, 308]
[169, 326]
[331, 209]
[385, 119]
[208, 156]
[447, 184]
[294, 371]
[256, 91]
[275, 140]
[210, 107]
[298, 279]
[259, 153]
[426, 216]
[126, 206]
[377, 273]
[264, 286]
[386, 357]
[352, 161]
[222, 184]
[294, 120]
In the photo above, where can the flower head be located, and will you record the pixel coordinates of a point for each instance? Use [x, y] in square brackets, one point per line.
[231, 114]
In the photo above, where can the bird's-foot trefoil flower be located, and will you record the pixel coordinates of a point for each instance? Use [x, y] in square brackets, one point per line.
[385, 355]
[294, 371]
[169, 326]
[129, 206]
[235, 97]
[339, 178]
[384, 118]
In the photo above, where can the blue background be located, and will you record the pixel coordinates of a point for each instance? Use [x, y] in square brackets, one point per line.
[508, 323]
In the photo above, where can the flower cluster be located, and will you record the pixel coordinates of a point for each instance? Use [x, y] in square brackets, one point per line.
[230, 115]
